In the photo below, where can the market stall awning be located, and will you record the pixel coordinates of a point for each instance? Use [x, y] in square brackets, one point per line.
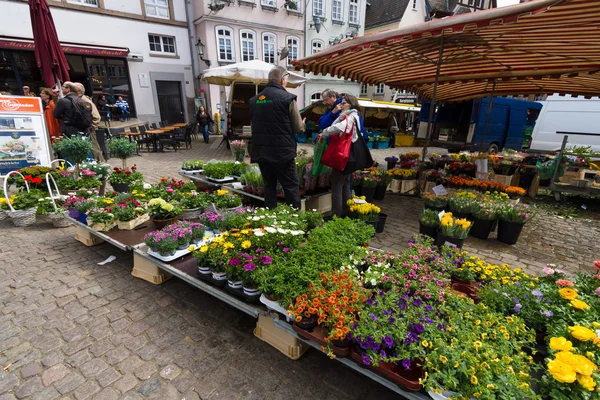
[387, 105]
[539, 47]
[255, 71]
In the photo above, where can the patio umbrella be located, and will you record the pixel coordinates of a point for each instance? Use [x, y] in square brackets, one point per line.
[255, 71]
[49, 55]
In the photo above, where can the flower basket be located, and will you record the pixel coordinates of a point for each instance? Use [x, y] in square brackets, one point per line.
[161, 223]
[509, 232]
[130, 225]
[23, 217]
[190, 213]
[59, 220]
[3, 215]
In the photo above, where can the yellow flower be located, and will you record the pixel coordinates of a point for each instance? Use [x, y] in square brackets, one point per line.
[474, 380]
[509, 319]
[425, 343]
[484, 336]
[191, 247]
[222, 192]
[587, 382]
[443, 359]
[246, 244]
[203, 249]
[562, 372]
[477, 344]
[567, 293]
[477, 394]
[580, 305]
[491, 386]
[560, 343]
[523, 386]
[225, 251]
[596, 325]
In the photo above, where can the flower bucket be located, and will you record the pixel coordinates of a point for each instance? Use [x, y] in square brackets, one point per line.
[430, 231]
[23, 217]
[379, 192]
[251, 291]
[134, 223]
[395, 185]
[509, 232]
[381, 222]
[219, 276]
[481, 165]
[383, 145]
[461, 215]
[481, 228]
[73, 213]
[374, 224]
[357, 190]
[59, 220]
[120, 187]
[190, 213]
[234, 285]
[369, 144]
[376, 144]
[369, 193]
[161, 223]
[391, 164]
[449, 241]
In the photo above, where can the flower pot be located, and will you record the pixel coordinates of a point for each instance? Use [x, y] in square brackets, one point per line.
[341, 343]
[376, 144]
[190, 213]
[374, 224]
[196, 241]
[234, 285]
[204, 270]
[120, 187]
[73, 213]
[379, 192]
[383, 145]
[357, 190]
[83, 218]
[395, 185]
[251, 291]
[307, 323]
[430, 231]
[468, 288]
[161, 223]
[391, 164]
[167, 254]
[481, 228]
[381, 223]
[59, 220]
[369, 144]
[369, 193]
[23, 217]
[450, 241]
[509, 232]
[183, 246]
[219, 276]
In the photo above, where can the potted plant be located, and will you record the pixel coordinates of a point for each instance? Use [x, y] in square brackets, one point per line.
[217, 170]
[129, 216]
[453, 231]
[197, 231]
[222, 200]
[369, 184]
[74, 149]
[357, 180]
[100, 219]
[483, 220]
[181, 234]
[100, 172]
[24, 207]
[391, 162]
[462, 207]
[192, 204]
[366, 212]
[122, 178]
[382, 185]
[464, 281]
[238, 149]
[213, 220]
[434, 202]
[429, 221]
[57, 216]
[512, 218]
[123, 149]
[163, 213]
[161, 242]
[515, 192]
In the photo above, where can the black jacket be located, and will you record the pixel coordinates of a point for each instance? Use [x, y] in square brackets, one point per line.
[65, 112]
[204, 119]
[273, 140]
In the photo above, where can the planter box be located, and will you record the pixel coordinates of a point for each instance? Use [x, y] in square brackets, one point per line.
[181, 253]
[286, 343]
[409, 186]
[130, 225]
[147, 271]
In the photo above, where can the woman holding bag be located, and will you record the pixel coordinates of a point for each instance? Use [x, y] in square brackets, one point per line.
[348, 159]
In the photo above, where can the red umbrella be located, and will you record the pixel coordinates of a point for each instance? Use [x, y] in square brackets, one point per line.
[48, 53]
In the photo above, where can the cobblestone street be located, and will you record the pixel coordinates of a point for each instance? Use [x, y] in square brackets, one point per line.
[72, 329]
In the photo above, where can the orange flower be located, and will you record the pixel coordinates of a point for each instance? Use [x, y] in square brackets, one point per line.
[298, 318]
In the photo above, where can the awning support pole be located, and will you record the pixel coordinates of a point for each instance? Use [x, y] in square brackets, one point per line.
[487, 116]
[431, 127]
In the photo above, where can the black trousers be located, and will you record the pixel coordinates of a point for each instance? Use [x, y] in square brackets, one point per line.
[285, 173]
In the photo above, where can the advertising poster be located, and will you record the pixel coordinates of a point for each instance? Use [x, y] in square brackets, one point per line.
[23, 136]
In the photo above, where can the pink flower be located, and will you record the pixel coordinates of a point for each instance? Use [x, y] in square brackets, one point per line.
[597, 291]
[564, 282]
[170, 190]
[597, 276]
[597, 264]
[548, 271]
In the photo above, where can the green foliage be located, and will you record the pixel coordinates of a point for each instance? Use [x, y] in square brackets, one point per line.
[429, 217]
[122, 148]
[75, 149]
[26, 200]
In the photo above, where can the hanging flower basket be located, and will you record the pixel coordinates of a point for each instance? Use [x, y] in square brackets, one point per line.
[23, 217]
[59, 220]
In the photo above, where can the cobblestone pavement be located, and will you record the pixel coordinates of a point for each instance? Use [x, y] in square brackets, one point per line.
[72, 329]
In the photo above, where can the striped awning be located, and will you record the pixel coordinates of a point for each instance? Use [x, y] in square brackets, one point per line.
[539, 47]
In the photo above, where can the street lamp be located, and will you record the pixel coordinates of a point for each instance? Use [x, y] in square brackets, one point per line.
[316, 23]
[200, 49]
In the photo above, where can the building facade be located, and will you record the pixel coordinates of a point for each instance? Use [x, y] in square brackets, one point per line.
[233, 31]
[329, 22]
[137, 49]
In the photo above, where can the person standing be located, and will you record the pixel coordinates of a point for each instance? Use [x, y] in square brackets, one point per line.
[393, 129]
[123, 107]
[52, 123]
[96, 152]
[331, 99]
[275, 119]
[74, 113]
[204, 120]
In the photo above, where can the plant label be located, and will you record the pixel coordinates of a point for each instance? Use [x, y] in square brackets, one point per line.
[441, 214]
[449, 244]
[440, 190]
[584, 206]
[237, 185]
[359, 201]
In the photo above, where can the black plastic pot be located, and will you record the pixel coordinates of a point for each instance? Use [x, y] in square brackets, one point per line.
[369, 193]
[357, 190]
[120, 187]
[461, 215]
[307, 323]
[391, 164]
[379, 192]
[525, 180]
[442, 208]
[443, 239]
[373, 223]
[430, 231]
[481, 228]
[509, 232]
[381, 222]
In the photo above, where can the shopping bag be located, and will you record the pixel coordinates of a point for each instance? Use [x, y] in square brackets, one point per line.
[360, 157]
[338, 151]
[318, 150]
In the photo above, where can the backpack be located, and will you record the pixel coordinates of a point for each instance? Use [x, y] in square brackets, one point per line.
[82, 114]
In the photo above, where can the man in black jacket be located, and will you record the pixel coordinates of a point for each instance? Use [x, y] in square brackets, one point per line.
[65, 111]
[275, 122]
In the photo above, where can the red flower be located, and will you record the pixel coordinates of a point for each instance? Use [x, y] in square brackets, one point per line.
[134, 167]
[29, 178]
[37, 181]
[127, 173]
[163, 179]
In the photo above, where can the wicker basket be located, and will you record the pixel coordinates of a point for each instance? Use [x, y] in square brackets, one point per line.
[23, 217]
[3, 215]
[59, 220]
[190, 213]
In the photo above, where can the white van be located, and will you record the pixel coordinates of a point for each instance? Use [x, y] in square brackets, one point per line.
[577, 117]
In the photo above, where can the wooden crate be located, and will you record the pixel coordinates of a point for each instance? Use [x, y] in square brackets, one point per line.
[286, 343]
[147, 271]
[572, 174]
[84, 236]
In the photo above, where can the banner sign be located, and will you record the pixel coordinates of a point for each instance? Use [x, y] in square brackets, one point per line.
[81, 50]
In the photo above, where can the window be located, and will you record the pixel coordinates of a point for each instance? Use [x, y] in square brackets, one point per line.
[157, 8]
[162, 44]
[248, 45]
[353, 16]
[317, 46]
[337, 10]
[268, 3]
[294, 47]
[225, 44]
[318, 8]
[93, 3]
[290, 4]
[316, 96]
[471, 2]
[414, 4]
[363, 89]
[269, 47]
[379, 89]
[480, 3]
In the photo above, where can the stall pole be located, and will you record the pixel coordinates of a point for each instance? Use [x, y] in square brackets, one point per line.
[487, 115]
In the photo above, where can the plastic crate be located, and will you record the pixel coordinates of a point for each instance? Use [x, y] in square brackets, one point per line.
[84, 236]
[147, 271]
[286, 343]
[383, 145]
[301, 138]
[370, 144]
[321, 203]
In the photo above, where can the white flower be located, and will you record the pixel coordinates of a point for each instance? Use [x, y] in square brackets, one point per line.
[270, 229]
[259, 233]
[293, 223]
[373, 282]
[281, 230]
[255, 218]
[295, 215]
[147, 186]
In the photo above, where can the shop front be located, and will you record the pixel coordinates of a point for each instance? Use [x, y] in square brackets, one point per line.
[103, 70]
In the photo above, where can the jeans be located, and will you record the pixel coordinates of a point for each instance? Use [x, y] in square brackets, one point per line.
[205, 133]
[340, 192]
[123, 112]
[285, 173]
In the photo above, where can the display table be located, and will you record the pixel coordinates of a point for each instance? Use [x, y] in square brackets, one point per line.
[124, 240]
[318, 201]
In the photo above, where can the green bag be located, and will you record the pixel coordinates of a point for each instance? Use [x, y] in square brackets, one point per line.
[318, 151]
[546, 169]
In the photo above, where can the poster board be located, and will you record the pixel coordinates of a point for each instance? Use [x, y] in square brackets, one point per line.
[24, 141]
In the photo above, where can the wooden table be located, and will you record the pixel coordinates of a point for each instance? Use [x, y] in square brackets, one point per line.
[179, 125]
[168, 128]
[155, 131]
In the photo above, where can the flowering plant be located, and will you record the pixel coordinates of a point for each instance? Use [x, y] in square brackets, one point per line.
[101, 171]
[371, 181]
[161, 241]
[452, 227]
[429, 217]
[411, 155]
[238, 148]
[496, 197]
[514, 192]
[100, 215]
[25, 200]
[193, 199]
[365, 211]
[486, 211]
[222, 199]
[464, 205]
[519, 213]
[391, 159]
[83, 205]
[160, 209]
[35, 177]
[125, 175]
[432, 200]
[212, 220]
[403, 173]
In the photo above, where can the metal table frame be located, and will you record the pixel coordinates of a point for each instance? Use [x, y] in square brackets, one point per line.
[101, 235]
[204, 180]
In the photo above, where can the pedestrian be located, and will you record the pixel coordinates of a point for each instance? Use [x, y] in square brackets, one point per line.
[347, 123]
[74, 113]
[331, 99]
[28, 92]
[204, 121]
[49, 105]
[275, 119]
[96, 151]
[123, 107]
[393, 129]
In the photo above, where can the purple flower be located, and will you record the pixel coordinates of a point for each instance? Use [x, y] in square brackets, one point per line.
[369, 301]
[383, 353]
[260, 250]
[406, 363]
[376, 346]
[366, 360]
[234, 262]
[391, 320]
[249, 267]
[266, 260]
[419, 328]
[364, 345]
[286, 249]
[547, 313]
[517, 308]
[537, 293]
[373, 316]
[428, 307]
[388, 341]
[417, 302]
